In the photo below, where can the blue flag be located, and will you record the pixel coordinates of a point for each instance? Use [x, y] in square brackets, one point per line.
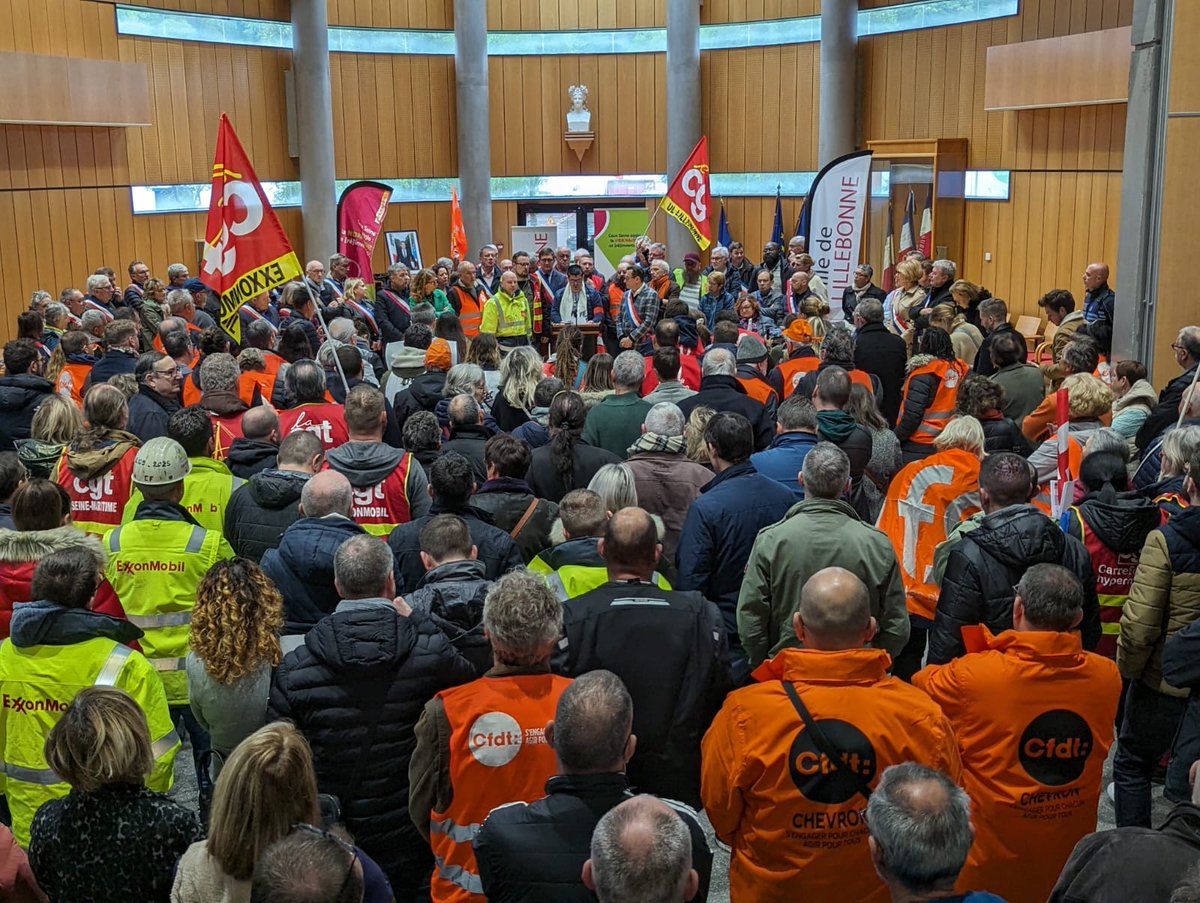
[777, 229]
[724, 236]
[802, 221]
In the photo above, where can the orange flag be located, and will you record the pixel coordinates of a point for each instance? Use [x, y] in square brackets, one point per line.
[458, 234]
[246, 252]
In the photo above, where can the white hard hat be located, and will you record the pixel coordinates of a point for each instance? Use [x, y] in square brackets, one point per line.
[161, 462]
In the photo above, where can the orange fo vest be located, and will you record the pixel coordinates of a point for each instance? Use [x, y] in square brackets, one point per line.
[792, 371]
[264, 379]
[327, 420]
[98, 504]
[71, 381]
[1113, 573]
[381, 508]
[758, 389]
[498, 755]
[941, 410]
[1074, 460]
[471, 312]
[925, 502]
[798, 828]
[1034, 715]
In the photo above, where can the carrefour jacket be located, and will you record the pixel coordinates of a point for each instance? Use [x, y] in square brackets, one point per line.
[52, 654]
[1034, 718]
[795, 821]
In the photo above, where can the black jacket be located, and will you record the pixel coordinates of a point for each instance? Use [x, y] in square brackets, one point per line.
[1132, 863]
[983, 357]
[111, 363]
[1002, 434]
[20, 397]
[149, 413]
[261, 510]
[452, 594]
[507, 416]
[302, 568]
[883, 355]
[1166, 412]
[496, 549]
[850, 300]
[247, 457]
[547, 483]
[986, 564]
[670, 649]
[356, 688]
[469, 441]
[393, 320]
[725, 393]
[422, 394]
[507, 500]
[534, 852]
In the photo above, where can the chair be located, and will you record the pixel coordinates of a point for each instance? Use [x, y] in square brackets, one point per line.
[1046, 346]
[1030, 328]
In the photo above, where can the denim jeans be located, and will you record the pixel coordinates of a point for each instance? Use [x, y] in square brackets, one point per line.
[1147, 732]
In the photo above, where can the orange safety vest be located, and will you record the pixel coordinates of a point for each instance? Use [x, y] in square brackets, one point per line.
[1074, 460]
[381, 508]
[471, 312]
[941, 410]
[792, 371]
[498, 755]
[191, 392]
[758, 389]
[98, 504]
[797, 825]
[1034, 718]
[71, 381]
[327, 420]
[249, 381]
[616, 295]
[925, 502]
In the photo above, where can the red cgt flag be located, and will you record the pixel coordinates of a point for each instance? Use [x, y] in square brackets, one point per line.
[688, 197]
[458, 233]
[246, 251]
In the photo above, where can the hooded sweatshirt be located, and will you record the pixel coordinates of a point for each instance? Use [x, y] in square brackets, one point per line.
[250, 456]
[99, 460]
[49, 624]
[407, 365]
[367, 464]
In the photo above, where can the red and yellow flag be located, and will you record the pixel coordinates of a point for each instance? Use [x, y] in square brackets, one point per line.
[246, 251]
[458, 233]
[688, 197]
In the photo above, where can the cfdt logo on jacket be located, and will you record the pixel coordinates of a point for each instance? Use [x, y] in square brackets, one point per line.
[823, 781]
[1055, 747]
[496, 738]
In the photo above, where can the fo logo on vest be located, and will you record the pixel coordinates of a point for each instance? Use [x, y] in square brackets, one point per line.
[821, 780]
[495, 739]
[1055, 747]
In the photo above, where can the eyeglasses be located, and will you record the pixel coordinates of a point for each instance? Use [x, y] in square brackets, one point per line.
[346, 847]
[1177, 347]
[174, 371]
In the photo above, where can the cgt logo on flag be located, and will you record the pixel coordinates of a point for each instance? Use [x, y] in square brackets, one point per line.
[687, 198]
[246, 252]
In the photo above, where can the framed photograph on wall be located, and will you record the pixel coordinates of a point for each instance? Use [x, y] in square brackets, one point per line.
[404, 247]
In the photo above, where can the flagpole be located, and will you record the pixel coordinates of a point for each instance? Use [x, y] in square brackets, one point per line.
[320, 316]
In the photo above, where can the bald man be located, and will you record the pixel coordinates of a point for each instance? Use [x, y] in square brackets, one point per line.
[1099, 300]
[257, 449]
[641, 850]
[302, 565]
[669, 648]
[789, 761]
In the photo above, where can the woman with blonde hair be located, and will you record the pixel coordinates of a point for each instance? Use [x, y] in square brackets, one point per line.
[235, 644]
[110, 838]
[57, 422]
[905, 301]
[1089, 402]
[520, 372]
[966, 338]
[614, 483]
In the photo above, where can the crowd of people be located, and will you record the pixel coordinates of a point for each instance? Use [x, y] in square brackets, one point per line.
[487, 585]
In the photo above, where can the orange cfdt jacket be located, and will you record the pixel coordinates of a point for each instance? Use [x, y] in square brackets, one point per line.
[758, 389]
[498, 755]
[940, 411]
[925, 502]
[1034, 716]
[793, 370]
[797, 827]
[71, 380]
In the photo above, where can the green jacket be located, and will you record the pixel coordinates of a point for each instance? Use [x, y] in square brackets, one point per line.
[816, 534]
[616, 423]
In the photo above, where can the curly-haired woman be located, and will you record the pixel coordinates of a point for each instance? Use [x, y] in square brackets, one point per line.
[235, 644]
